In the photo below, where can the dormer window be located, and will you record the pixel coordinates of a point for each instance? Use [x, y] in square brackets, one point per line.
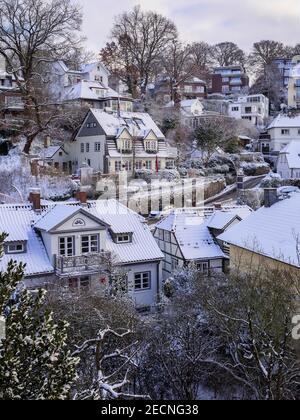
[124, 238]
[126, 146]
[15, 248]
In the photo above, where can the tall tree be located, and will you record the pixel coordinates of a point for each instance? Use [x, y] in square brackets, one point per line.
[141, 38]
[34, 361]
[264, 52]
[202, 56]
[268, 78]
[228, 54]
[177, 65]
[34, 33]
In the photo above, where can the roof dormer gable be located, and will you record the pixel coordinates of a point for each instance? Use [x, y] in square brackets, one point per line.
[69, 219]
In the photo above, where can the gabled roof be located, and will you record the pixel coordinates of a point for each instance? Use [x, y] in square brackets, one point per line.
[84, 91]
[17, 222]
[193, 236]
[271, 232]
[292, 152]
[49, 152]
[221, 219]
[191, 230]
[284, 121]
[22, 224]
[112, 122]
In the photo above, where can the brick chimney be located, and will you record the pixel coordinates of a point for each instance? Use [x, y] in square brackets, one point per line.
[271, 196]
[82, 196]
[47, 142]
[35, 198]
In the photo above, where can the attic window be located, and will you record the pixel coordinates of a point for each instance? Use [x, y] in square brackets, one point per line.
[91, 125]
[124, 238]
[151, 145]
[15, 248]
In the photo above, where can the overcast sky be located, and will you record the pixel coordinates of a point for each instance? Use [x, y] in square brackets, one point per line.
[240, 21]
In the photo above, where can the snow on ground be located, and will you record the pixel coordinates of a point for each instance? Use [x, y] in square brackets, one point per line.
[16, 181]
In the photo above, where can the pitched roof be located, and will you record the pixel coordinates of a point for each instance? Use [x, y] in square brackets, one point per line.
[221, 219]
[271, 232]
[50, 151]
[56, 215]
[292, 152]
[136, 122]
[22, 224]
[17, 223]
[284, 121]
[191, 229]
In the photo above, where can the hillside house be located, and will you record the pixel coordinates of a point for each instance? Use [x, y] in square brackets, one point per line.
[75, 244]
[269, 236]
[111, 142]
[288, 163]
[282, 131]
[188, 237]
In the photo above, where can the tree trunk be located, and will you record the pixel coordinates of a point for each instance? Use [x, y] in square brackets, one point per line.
[27, 147]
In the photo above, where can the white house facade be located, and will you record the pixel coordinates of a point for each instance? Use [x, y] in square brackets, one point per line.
[86, 87]
[76, 245]
[189, 237]
[288, 163]
[252, 108]
[282, 131]
[111, 142]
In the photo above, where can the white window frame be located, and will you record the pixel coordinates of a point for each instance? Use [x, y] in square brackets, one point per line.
[203, 267]
[12, 248]
[92, 244]
[97, 147]
[68, 240]
[144, 279]
[123, 238]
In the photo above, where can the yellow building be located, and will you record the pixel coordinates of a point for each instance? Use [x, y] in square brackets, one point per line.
[269, 236]
[294, 84]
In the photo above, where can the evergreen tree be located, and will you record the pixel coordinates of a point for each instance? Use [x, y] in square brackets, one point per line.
[35, 363]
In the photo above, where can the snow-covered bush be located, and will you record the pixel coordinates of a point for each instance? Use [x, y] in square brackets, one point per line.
[271, 181]
[170, 175]
[16, 181]
[145, 174]
[255, 168]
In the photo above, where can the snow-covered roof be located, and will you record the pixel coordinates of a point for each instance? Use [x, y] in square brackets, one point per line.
[137, 123]
[84, 90]
[292, 152]
[50, 152]
[54, 216]
[17, 222]
[194, 80]
[22, 224]
[221, 219]
[284, 121]
[270, 231]
[191, 229]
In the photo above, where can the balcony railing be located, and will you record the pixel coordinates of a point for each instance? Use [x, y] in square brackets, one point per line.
[84, 264]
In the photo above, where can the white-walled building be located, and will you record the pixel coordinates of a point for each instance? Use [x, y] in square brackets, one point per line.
[252, 108]
[73, 244]
[56, 157]
[88, 87]
[288, 163]
[189, 237]
[111, 142]
[282, 131]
